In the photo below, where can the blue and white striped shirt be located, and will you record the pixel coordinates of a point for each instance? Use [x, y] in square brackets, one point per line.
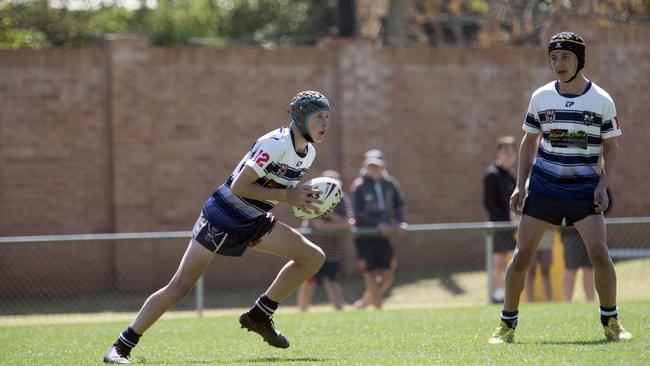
[572, 127]
[278, 165]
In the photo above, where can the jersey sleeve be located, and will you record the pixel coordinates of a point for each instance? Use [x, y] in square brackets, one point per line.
[264, 155]
[531, 123]
[610, 127]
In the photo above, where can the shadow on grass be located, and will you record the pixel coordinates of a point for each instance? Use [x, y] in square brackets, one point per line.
[450, 284]
[576, 342]
[282, 359]
[253, 360]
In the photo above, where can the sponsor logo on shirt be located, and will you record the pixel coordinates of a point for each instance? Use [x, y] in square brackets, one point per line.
[565, 138]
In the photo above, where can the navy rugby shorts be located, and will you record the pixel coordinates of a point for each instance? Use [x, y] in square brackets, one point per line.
[554, 210]
[233, 243]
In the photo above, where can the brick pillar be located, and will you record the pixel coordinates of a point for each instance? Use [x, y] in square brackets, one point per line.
[131, 128]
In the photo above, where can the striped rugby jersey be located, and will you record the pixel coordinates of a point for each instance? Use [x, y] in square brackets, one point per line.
[277, 164]
[572, 127]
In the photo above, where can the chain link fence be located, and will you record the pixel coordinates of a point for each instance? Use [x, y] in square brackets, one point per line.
[438, 265]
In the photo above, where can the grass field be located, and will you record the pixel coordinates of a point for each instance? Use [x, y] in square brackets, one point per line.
[548, 334]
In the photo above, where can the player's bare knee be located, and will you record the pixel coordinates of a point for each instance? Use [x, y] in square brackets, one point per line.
[317, 259]
[521, 261]
[178, 290]
[600, 257]
[313, 259]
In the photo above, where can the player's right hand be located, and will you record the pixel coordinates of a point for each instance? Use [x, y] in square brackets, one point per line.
[517, 201]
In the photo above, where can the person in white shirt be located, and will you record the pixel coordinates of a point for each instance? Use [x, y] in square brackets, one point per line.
[570, 121]
[237, 216]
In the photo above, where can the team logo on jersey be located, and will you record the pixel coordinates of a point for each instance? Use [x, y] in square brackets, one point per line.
[282, 169]
[569, 103]
[550, 115]
[588, 117]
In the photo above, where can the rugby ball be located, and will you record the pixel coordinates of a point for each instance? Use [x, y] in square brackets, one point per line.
[330, 194]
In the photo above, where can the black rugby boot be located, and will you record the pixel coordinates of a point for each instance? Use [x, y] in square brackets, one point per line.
[266, 329]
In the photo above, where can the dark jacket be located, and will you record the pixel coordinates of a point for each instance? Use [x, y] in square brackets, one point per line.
[498, 185]
[374, 202]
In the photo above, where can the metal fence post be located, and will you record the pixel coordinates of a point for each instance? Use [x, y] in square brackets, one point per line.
[489, 248]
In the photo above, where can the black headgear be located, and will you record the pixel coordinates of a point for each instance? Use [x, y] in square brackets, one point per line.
[569, 41]
[304, 105]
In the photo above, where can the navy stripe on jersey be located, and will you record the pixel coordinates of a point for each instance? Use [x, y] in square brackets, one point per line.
[571, 188]
[284, 171]
[228, 208]
[531, 121]
[587, 180]
[570, 117]
[270, 183]
[566, 159]
[262, 205]
[223, 216]
[607, 127]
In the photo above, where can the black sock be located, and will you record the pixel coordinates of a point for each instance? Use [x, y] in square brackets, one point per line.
[128, 338]
[606, 313]
[263, 308]
[510, 318]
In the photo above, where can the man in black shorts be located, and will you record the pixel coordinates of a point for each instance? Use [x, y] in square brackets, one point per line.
[498, 184]
[377, 203]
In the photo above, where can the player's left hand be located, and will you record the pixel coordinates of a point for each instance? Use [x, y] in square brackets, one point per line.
[601, 199]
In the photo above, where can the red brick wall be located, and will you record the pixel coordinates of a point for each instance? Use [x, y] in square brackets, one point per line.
[125, 137]
[54, 142]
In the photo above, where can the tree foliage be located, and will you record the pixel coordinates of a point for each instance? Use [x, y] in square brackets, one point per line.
[172, 23]
[36, 23]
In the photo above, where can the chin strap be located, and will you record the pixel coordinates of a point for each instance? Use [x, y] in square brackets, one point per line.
[573, 77]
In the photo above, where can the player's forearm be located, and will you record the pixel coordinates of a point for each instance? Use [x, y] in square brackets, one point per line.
[610, 157]
[526, 157]
[257, 192]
